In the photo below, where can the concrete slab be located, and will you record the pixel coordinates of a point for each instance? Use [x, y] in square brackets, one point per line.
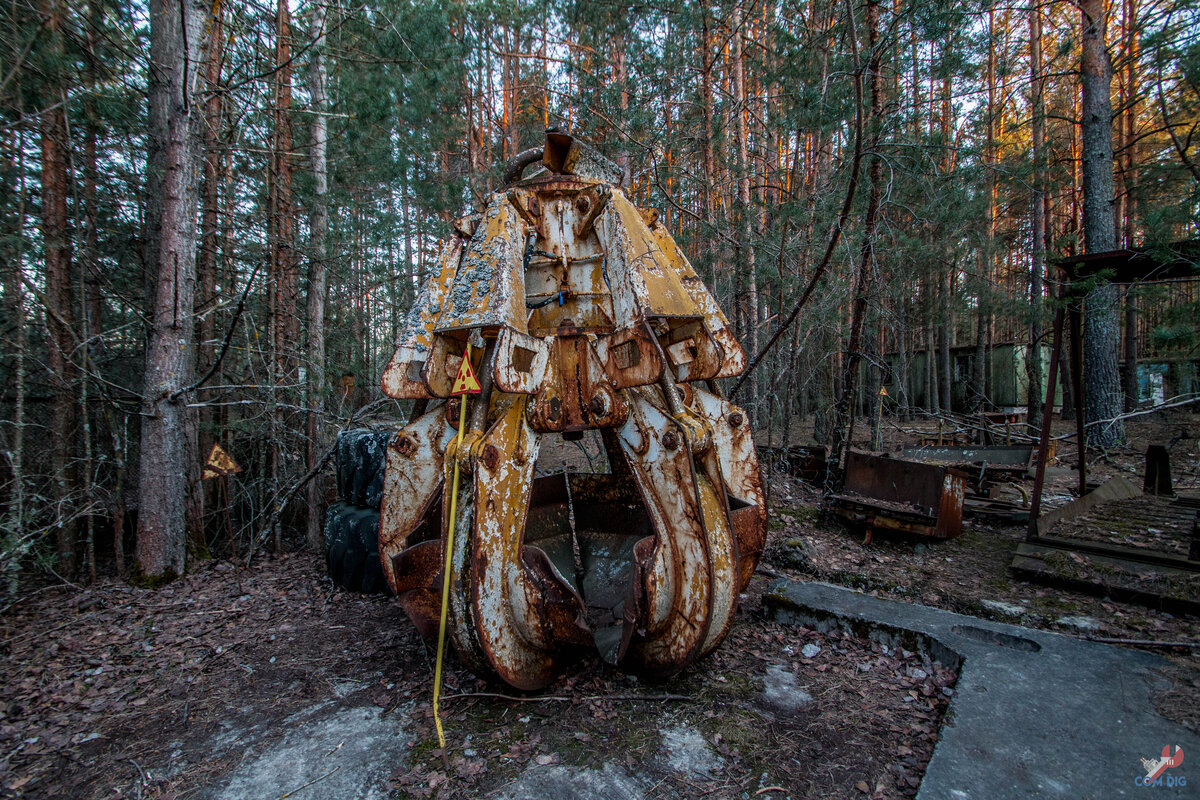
[571, 783]
[1033, 713]
[329, 751]
[688, 752]
[781, 692]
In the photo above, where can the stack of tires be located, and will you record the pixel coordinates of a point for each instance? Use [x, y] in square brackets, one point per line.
[352, 526]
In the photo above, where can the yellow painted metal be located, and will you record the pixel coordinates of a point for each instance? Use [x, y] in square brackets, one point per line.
[441, 648]
[403, 377]
[595, 322]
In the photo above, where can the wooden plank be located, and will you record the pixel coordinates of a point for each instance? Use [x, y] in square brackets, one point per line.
[1040, 549]
[1029, 566]
[1118, 552]
[1117, 488]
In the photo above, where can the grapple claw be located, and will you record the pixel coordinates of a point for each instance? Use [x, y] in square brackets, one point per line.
[590, 319]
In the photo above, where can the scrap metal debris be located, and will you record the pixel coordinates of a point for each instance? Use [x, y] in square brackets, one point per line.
[894, 494]
[589, 317]
[1117, 541]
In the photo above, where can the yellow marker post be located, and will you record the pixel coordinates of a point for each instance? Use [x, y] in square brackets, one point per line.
[464, 383]
[878, 443]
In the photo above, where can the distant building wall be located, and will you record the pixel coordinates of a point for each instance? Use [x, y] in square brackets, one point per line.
[1007, 382]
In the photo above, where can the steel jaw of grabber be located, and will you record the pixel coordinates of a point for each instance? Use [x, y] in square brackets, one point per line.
[582, 315]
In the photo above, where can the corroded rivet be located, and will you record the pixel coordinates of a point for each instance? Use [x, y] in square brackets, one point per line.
[735, 420]
[491, 456]
[670, 440]
[406, 446]
[597, 405]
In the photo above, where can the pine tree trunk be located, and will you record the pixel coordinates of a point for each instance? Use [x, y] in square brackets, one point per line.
[931, 381]
[843, 427]
[174, 147]
[317, 275]
[706, 98]
[1101, 335]
[621, 76]
[206, 288]
[1129, 193]
[945, 276]
[12, 256]
[748, 280]
[945, 361]
[1037, 222]
[60, 305]
[285, 277]
[982, 318]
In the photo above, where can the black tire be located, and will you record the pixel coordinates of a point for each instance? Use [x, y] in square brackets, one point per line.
[361, 457]
[352, 548]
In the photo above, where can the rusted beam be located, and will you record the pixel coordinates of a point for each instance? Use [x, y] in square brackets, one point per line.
[1076, 319]
[1039, 481]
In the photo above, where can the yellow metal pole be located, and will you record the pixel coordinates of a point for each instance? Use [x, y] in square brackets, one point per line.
[441, 646]
[877, 445]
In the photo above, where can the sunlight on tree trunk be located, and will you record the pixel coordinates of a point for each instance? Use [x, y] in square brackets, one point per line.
[176, 45]
[1101, 336]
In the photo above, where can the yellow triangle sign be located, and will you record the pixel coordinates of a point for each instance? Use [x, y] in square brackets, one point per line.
[466, 382]
[883, 391]
[219, 463]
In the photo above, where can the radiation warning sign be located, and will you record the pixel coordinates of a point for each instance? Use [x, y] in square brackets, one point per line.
[219, 463]
[466, 382]
[883, 391]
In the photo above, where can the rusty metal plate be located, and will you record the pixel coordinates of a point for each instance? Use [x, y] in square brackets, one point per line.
[645, 283]
[520, 362]
[504, 611]
[590, 319]
[404, 375]
[673, 585]
[733, 442]
[733, 358]
[489, 286]
[630, 358]
[905, 495]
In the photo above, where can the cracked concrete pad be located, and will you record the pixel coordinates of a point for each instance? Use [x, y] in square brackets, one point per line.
[688, 752]
[780, 692]
[347, 753]
[560, 782]
[1001, 607]
[1034, 713]
[1080, 623]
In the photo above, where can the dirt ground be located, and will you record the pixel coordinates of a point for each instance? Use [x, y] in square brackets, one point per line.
[122, 692]
[113, 691]
[970, 574]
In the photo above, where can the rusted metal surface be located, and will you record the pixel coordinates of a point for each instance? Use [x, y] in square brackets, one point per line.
[984, 465]
[411, 516]
[403, 377]
[908, 496]
[994, 455]
[585, 316]
[809, 463]
[735, 456]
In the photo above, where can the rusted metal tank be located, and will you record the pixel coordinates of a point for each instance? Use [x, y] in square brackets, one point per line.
[584, 315]
[895, 494]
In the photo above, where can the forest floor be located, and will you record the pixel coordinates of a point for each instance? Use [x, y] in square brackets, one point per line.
[269, 682]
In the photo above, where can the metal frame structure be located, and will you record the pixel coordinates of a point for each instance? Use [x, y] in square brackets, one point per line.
[585, 315]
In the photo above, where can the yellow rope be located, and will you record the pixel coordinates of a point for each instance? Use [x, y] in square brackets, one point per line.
[437, 671]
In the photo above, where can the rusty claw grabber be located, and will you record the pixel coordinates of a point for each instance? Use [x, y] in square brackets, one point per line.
[584, 315]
